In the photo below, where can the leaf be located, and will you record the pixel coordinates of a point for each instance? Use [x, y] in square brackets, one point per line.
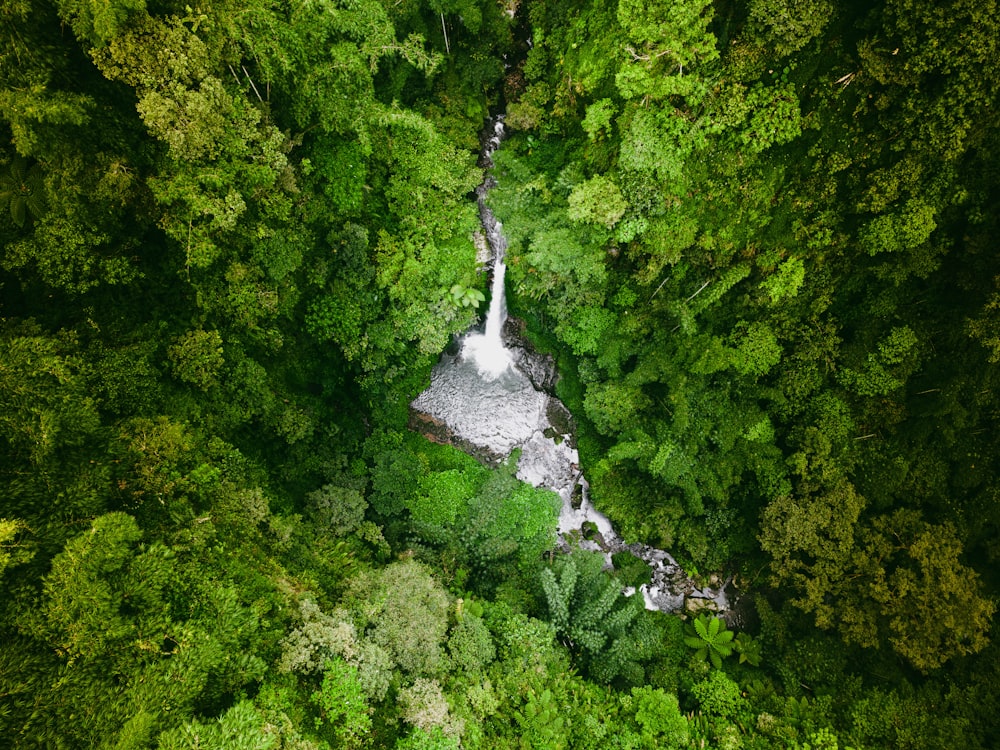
[713, 628]
[699, 626]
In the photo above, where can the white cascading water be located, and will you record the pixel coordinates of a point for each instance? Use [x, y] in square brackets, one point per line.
[487, 348]
[478, 393]
[486, 401]
[497, 313]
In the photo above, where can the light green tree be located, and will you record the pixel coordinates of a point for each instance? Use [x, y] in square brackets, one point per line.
[594, 619]
[662, 40]
[597, 200]
[404, 610]
[12, 550]
[241, 727]
[710, 638]
[424, 705]
[659, 715]
[343, 704]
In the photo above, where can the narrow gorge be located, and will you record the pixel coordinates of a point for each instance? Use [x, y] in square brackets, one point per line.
[493, 396]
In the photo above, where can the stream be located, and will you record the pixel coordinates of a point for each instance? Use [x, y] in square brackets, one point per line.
[493, 396]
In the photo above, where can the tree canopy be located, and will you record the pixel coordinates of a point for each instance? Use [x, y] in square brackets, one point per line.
[755, 235]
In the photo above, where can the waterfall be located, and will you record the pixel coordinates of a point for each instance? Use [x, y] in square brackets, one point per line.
[483, 400]
[497, 313]
[487, 349]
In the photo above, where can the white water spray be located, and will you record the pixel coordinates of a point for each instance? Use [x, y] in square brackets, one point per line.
[487, 348]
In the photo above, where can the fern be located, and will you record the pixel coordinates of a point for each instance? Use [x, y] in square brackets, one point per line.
[711, 640]
[558, 594]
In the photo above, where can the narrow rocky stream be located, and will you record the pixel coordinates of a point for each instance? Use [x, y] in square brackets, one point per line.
[494, 395]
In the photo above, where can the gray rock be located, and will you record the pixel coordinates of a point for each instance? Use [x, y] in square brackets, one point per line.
[696, 605]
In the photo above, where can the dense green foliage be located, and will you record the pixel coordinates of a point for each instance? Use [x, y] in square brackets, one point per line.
[235, 237]
[759, 237]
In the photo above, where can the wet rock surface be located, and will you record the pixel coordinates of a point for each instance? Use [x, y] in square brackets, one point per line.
[540, 369]
[495, 415]
[438, 431]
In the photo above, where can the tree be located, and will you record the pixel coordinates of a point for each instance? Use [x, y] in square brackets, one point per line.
[663, 39]
[470, 646]
[12, 551]
[319, 638]
[710, 639]
[241, 727]
[420, 739]
[98, 23]
[340, 510]
[404, 610]
[425, 707]
[812, 537]
[197, 357]
[925, 602]
[23, 189]
[594, 619]
[786, 27]
[510, 525]
[343, 705]
[99, 574]
[659, 715]
[540, 722]
[719, 696]
[598, 200]
[44, 404]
